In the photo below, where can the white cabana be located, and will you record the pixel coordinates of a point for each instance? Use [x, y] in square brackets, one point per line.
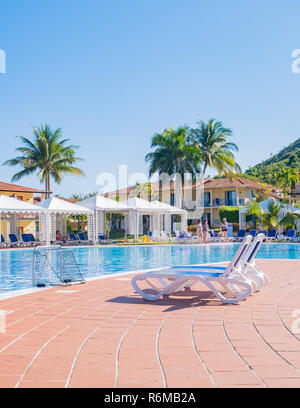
[12, 210]
[100, 207]
[55, 218]
[264, 205]
[139, 207]
[166, 219]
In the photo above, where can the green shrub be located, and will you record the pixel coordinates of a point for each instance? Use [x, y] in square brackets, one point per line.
[231, 214]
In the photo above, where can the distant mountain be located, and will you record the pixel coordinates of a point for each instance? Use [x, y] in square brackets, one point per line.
[288, 157]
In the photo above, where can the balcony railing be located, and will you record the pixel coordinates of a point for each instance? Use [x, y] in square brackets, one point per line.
[218, 202]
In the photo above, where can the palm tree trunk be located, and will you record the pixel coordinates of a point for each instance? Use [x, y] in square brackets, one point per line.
[46, 186]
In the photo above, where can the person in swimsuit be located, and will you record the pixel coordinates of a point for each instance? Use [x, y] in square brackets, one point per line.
[205, 230]
[59, 237]
[224, 229]
[199, 229]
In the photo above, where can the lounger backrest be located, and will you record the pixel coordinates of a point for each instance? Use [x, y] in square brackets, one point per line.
[253, 249]
[13, 238]
[213, 234]
[101, 237]
[272, 233]
[238, 257]
[291, 233]
[81, 236]
[2, 239]
[187, 234]
[252, 232]
[241, 233]
[25, 238]
[72, 236]
[31, 237]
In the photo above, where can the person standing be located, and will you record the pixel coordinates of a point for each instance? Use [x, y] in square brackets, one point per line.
[224, 229]
[199, 229]
[205, 230]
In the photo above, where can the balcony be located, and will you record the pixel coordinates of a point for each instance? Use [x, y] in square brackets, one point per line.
[218, 202]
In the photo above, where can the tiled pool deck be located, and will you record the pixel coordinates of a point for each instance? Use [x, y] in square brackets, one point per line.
[102, 334]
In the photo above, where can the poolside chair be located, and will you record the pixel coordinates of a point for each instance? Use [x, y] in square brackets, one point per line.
[243, 263]
[33, 240]
[13, 240]
[271, 235]
[72, 239]
[190, 238]
[252, 233]
[2, 242]
[241, 235]
[180, 237]
[83, 240]
[102, 240]
[290, 236]
[25, 239]
[175, 279]
[250, 269]
[214, 237]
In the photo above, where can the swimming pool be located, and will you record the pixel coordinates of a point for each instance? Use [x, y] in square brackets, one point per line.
[16, 266]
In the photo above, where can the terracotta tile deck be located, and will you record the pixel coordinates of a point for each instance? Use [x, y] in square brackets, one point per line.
[102, 334]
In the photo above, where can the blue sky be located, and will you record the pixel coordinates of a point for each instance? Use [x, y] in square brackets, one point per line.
[112, 73]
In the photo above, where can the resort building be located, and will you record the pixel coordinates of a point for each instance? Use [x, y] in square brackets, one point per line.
[204, 199]
[26, 224]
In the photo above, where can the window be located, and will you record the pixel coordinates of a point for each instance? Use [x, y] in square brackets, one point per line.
[207, 199]
[230, 198]
[172, 199]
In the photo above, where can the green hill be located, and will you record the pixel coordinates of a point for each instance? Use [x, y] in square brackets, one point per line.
[266, 171]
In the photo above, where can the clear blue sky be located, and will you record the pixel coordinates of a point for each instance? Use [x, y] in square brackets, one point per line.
[111, 73]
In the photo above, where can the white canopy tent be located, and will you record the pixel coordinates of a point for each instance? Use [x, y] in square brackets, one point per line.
[139, 207]
[11, 209]
[100, 207]
[166, 220]
[55, 218]
[265, 208]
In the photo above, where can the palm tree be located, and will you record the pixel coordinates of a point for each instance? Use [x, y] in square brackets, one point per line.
[255, 210]
[142, 188]
[287, 179]
[210, 138]
[276, 218]
[48, 155]
[174, 155]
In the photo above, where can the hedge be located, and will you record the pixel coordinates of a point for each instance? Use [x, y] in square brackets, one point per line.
[231, 214]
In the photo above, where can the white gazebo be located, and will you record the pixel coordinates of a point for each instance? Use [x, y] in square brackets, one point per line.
[264, 205]
[12, 209]
[139, 207]
[166, 219]
[55, 218]
[100, 207]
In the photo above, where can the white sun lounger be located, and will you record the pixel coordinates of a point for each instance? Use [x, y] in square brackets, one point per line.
[231, 278]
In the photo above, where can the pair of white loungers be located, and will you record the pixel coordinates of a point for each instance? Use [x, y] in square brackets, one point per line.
[239, 279]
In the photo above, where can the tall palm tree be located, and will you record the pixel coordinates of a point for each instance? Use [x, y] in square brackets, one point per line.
[48, 155]
[174, 155]
[287, 179]
[210, 138]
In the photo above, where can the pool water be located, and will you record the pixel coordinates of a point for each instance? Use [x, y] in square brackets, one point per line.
[16, 266]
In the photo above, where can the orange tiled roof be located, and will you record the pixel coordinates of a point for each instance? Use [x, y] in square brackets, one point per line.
[18, 189]
[208, 184]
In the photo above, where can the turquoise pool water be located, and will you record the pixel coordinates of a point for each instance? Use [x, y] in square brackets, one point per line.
[16, 266]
